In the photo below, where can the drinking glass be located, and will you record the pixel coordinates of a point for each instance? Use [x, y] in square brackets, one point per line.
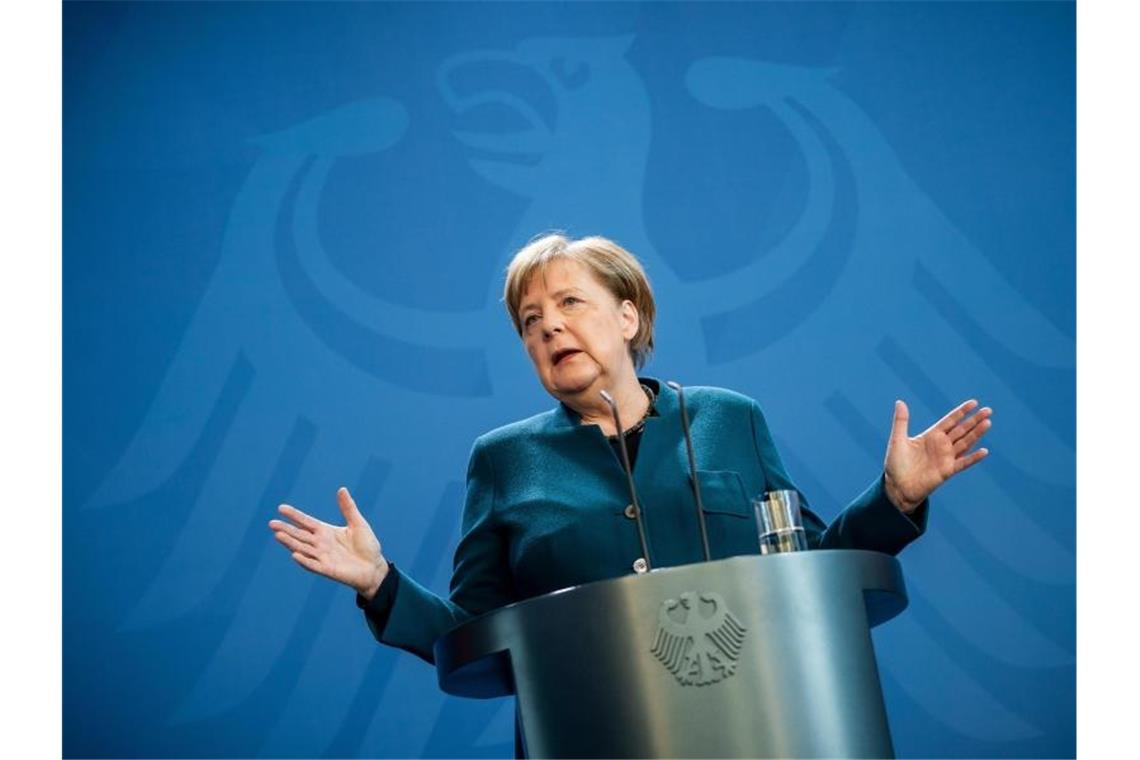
[779, 522]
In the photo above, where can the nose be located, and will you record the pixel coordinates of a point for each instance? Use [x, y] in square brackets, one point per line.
[551, 326]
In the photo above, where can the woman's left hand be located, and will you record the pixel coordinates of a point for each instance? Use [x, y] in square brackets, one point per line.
[915, 467]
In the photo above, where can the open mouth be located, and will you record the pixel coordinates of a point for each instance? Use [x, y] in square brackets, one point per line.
[563, 354]
[503, 106]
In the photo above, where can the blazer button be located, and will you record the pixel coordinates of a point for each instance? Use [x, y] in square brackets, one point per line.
[630, 512]
[639, 565]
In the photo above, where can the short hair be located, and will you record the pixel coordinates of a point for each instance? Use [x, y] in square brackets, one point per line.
[615, 268]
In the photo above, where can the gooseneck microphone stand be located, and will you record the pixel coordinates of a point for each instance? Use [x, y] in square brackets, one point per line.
[692, 467]
[629, 477]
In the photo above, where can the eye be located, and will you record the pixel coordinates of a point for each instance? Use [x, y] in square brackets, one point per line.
[529, 320]
[572, 75]
[569, 300]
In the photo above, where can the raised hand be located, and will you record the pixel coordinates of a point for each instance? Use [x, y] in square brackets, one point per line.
[915, 467]
[347, 553]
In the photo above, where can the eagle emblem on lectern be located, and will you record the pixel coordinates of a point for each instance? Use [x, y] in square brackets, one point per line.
[698, 639]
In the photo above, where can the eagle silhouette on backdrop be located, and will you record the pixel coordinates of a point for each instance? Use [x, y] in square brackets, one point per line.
[304, 377]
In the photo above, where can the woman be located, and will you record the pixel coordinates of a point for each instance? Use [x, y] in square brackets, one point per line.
[547, 499]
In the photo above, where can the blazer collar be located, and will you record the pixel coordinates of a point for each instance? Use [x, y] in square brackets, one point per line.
[665, 405]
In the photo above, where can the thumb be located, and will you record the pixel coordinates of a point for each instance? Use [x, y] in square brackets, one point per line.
[902, 417]
[348, 506]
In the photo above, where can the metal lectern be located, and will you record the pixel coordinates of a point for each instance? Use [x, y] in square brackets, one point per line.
[760, 656]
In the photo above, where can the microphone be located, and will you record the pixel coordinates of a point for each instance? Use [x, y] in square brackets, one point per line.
[692, 467]
[629, 477]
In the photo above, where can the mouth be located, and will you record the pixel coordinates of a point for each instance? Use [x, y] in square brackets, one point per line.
[503, 106]
[564, 353]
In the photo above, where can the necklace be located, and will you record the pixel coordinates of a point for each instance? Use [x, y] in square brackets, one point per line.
[637, 428]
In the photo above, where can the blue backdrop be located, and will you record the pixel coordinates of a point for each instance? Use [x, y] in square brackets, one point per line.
[284, 232]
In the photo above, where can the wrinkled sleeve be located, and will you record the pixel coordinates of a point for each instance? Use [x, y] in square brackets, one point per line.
[406, 615]
[869, 522]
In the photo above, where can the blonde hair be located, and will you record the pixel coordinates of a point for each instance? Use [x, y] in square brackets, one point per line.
[614, 267]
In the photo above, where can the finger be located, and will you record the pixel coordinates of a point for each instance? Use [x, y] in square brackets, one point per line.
[965, 463]
[899, 423]
[965, 442]
[304, 536]
[348, 506]
[952, 418]
[299, 517]
[308, 563]
[968, 424]
[296, 546]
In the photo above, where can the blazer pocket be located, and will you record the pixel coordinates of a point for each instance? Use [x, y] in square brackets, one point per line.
[722, 493]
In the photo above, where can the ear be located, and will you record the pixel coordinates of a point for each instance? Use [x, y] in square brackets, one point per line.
[630, 319]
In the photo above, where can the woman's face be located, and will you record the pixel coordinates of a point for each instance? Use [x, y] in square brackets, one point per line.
[575, 331]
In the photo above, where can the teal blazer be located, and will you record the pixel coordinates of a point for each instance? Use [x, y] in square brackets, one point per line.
[546, 509]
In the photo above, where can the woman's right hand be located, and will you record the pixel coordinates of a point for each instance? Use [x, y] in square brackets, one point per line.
[347, 553]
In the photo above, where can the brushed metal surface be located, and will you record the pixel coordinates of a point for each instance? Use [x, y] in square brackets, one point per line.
[800, 680]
